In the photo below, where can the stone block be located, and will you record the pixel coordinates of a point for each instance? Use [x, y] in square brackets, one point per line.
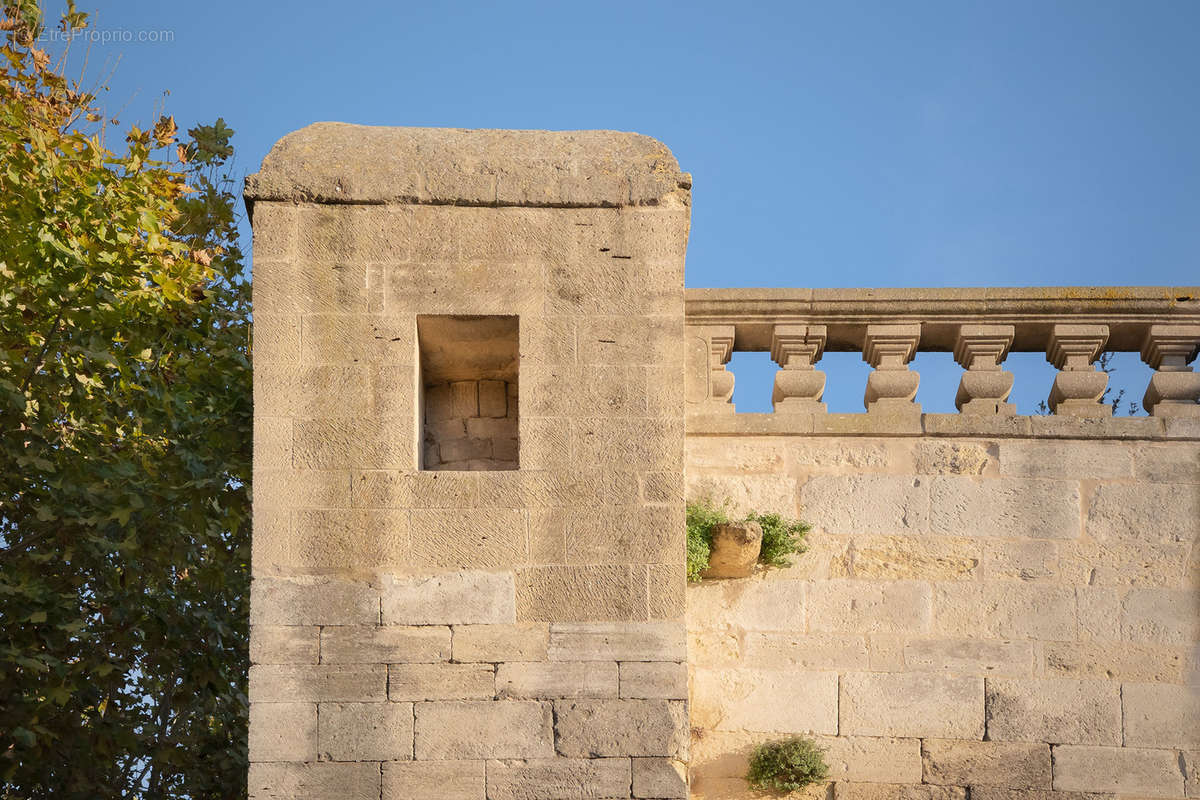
[366, 731]
[893, 791]
[1026, 560]
[272, 443]
[742, 456]
[470, 729]
[416, 682]
[468, 538]
[276, 338]
[1000, 793]
[445, 780]
[950, 762]
[346, 539]
[313, 781]
[590, 728]
[1123, 770]
[557, 679]
[1191, 773]
[971, 656]
[569, 592]
[284, 644]
[287, 683]
[312, 601]
[1099, 612]
[754, 605]
[308, 488]
[1139, 514]
[1007, 508]
[666, 586]
[742, 494]
[558, 779]
[1058, 710]
[769, 701]
[293, 287]
[283, 732]
[522, 642]
[872, 759]
[274, 234]
[659, 778]
[940, 558]
[1066, 460]
[464, 399]
[1005, 610]
[618, 641]
[835, 504]
[624, 534]
[825, 651]
[389, 644]
[1115, 563]
[912, 705]
[942, 457]
[366, 443]
[1167, 463]
[869, 607]
[358, 339]
[1116, 662]
[455, 598]
[1161, 616]
[887, 652]
[1159, 715]
[654, 680]
[455, 450]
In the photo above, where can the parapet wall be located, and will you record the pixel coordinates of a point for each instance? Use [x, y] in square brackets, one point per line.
[975, 617]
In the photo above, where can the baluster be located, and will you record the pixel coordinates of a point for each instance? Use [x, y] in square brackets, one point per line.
[892, 386]
[1079, 385]
[985, 386]
[798, 385]
[1174, 388]
[712, 382]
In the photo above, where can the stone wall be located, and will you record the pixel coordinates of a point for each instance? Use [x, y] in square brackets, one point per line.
[976, 617]
[471, 425]
[445, 632]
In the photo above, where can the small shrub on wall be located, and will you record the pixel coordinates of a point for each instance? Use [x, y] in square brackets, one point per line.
[782, 537]
[786, 765]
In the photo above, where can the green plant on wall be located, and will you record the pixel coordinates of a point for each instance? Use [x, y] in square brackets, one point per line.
[786, 765]
[782, 537]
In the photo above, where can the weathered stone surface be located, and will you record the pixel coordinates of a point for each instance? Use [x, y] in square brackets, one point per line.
[481, 729]
[886, 791]
[283, 732]
[458, 598]
[366, 731]
[1191, 773]
[557, 679]
[1000, 793]
[1111, 661]
[940, 457]
[650, 680]
[1159, 715]
[270, 683]
[825, 651]
[523, 642]
[741, 494]
[898, 504]
[659, 778]
[1168, 463]
[1161, 616]
[446, 780]
[590, 728]
[1058, 459]
[488, 538]
[312, 601]
[1124, 770]
[911, 704]
[416, 682]
[970, 656]
[558, 779]
[765, 700]
[909, 558]
[951, 762]
[284, 644]
[1026, 560]
[1141, 513]
[1005, 610]
[618, 641]
[1009, 508]
[313, 781]
[1054, 710]
[567, 592]
[359, 644]
[869, 607]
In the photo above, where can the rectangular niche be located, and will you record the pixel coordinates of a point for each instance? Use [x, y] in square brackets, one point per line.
[468, 408]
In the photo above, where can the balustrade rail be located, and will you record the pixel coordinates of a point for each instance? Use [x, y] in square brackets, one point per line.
[1072, 326]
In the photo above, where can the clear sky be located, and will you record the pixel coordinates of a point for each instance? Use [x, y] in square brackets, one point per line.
[834, 144]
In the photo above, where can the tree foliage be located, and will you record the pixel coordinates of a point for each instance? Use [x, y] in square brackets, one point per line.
[125, 411]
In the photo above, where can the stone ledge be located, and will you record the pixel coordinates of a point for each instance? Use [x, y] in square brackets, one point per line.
[945, 425]
[334, 162]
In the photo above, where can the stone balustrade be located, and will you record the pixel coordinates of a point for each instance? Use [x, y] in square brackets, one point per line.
[1073, 327]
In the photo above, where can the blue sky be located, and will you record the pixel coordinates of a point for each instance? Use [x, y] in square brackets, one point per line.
[834, 144]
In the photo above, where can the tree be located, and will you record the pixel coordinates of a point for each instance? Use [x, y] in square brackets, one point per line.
[125, 412]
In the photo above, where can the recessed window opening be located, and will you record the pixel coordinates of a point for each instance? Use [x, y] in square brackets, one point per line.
[469, 392]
